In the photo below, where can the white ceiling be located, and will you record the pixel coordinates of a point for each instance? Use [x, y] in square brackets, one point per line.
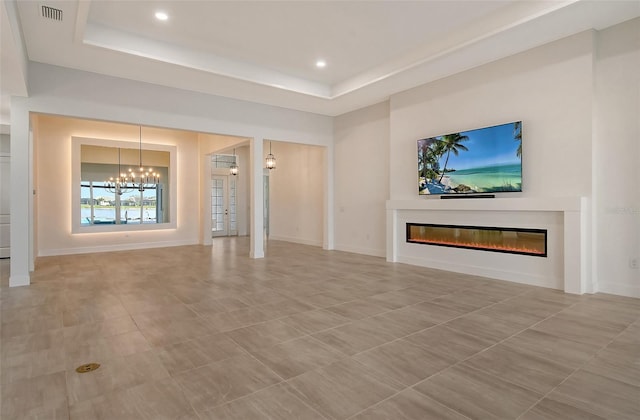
[265, 51]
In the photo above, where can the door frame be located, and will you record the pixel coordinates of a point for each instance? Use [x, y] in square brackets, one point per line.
[5, 218]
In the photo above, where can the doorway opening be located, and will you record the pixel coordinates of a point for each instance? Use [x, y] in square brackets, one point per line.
[223, 198]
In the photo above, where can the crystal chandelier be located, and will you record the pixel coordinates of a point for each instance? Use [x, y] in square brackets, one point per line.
[118, 185]
[138, 179]
[142, 179]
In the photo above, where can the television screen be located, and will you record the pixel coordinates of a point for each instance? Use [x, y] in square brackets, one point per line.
[485, 160]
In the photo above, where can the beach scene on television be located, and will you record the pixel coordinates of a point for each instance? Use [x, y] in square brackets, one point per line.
[486, 160]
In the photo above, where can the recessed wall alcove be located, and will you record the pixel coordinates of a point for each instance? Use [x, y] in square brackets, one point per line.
[564, 220]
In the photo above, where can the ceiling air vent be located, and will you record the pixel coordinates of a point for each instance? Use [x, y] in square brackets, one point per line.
[51, 13]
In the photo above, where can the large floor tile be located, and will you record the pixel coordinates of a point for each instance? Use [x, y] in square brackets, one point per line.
[600, 395]
[150, 401]
[174, 331]
[396, 299]
[404, 362]
[209, 386]
[355, 337]
[206, 332]
[169, 313]
[262, 336]
[402, 322]
[93, 310]
[485, 327]
[30, 320]
[44, 396]
[586, 330]
[552, 410]
[613, 312]
[29, 365]
[213, 306]
[478, 395]
[197, 352]
[450, 343]
[440, 312]
[539, 344]
[342, 389]
[297, 356]
[29, 343]
[151, 300]
[102, 349]
[314, 321]
[284, 308]
[227, 321]
[535, 373]
[102, 329]
[465, 300]
[358, 309]
[409, 405]
[115, 374]
[275, 402]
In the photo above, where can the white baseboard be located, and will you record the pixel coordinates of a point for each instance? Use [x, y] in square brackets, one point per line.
[15, 281]
[511, 276]
[619, 289]
[360, 250]
[111, 248]
[296, 240]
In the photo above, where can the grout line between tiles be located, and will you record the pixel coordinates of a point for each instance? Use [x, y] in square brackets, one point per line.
[442, 370]
[586, 362]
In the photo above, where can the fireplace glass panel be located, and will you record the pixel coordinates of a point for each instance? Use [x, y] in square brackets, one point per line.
[495, 239]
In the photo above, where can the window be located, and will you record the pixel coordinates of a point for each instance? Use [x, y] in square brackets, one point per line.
[99, 206]
[102, 207]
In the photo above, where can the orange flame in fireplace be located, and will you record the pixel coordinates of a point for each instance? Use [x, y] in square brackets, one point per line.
[480, 246]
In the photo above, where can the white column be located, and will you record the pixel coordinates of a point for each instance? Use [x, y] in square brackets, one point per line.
[205, 199]
[392, 233]
[328, 236]
[256, 192]
[21, 187]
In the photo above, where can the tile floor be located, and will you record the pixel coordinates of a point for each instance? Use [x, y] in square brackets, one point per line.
[207, 333]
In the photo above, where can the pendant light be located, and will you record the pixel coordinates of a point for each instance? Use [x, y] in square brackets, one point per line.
[270, 162]
[233, 168]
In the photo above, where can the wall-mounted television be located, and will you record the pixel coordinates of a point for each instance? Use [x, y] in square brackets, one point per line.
[485, 160]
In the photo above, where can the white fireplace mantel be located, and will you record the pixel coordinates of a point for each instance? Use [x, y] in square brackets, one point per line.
[575, 211]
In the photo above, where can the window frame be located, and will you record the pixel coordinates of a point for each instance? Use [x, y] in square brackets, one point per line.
[76, 224]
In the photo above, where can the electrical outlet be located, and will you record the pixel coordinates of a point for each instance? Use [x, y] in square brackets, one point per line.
[633, 263]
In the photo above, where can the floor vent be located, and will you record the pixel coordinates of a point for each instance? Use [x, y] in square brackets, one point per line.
[51, 13]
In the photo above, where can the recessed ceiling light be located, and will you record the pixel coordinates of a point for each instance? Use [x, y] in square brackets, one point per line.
[321, 63]
[162, 16]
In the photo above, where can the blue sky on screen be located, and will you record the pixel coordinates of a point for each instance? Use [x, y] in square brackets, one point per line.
[487, 147]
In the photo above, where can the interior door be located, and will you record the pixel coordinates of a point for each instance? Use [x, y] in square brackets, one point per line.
[223, 206]
[5, 239]
[219, 205]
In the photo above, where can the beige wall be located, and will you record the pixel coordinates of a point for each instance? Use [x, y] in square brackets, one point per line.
[616, 153]
[53, 185]
[361, 184]
[297, 193]
[297, 187]
[549, 88]
[579, 100]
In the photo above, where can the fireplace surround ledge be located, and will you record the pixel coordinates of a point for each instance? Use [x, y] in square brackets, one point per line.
[575, 230]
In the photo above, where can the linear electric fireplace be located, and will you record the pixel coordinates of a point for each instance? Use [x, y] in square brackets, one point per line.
[495, 239]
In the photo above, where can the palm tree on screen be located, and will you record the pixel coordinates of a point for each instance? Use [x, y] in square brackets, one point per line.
[517, 136]
[452, 143]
